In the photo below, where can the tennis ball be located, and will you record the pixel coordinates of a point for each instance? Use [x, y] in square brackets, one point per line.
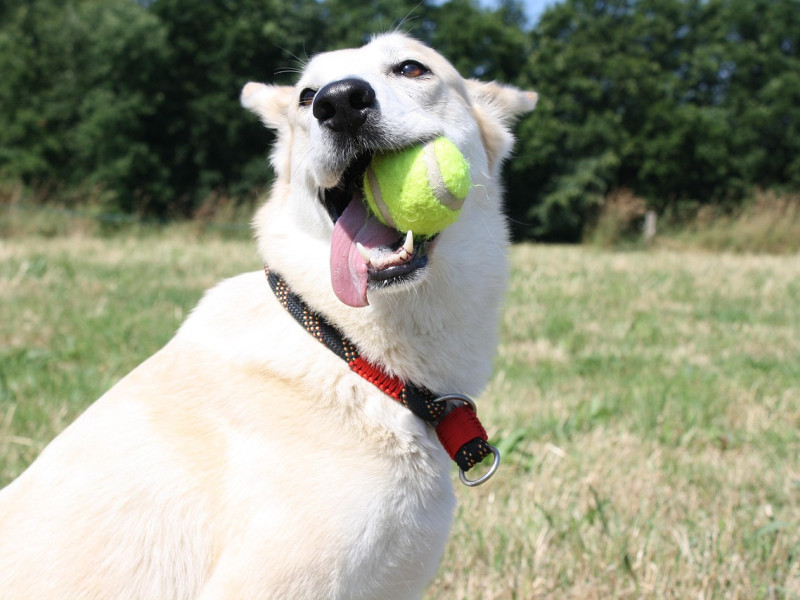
[421, 188]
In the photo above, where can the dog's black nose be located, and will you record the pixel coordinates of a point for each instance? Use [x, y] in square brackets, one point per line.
[344, 105]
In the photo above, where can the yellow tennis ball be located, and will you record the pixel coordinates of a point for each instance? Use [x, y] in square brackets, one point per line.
[421, 188]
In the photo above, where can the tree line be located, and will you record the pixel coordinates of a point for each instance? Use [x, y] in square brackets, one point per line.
[681, 102]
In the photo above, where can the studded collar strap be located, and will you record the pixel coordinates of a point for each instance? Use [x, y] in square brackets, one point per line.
[458, 429]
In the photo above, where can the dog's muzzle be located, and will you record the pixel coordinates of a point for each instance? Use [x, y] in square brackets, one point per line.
[365, 254]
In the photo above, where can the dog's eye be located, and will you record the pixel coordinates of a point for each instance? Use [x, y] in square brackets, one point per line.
[411, 69]
[307, 97]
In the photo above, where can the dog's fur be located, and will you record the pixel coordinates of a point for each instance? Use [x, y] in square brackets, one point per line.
[244, 459]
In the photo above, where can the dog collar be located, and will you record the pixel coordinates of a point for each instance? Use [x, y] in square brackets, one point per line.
[453, 416]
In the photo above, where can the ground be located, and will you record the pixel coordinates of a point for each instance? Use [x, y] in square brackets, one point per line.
[647, 405]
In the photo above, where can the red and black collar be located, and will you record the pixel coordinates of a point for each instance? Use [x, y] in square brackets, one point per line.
[458, 429]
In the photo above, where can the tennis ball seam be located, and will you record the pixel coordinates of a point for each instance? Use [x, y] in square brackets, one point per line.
[454, 167]
[436, 181]
[377, 197]
[427, 186]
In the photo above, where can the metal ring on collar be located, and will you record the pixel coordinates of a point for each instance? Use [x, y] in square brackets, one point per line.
[460, 398]
[495, 464]
[486, 476]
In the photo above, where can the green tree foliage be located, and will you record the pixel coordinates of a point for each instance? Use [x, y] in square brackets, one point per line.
[80, 93]
[675, 100]
[206, 140]
[480, 43]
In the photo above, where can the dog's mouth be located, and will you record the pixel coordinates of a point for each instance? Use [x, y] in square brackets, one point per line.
[364, 252]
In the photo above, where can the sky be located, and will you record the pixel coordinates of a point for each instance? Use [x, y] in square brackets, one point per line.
[534, 8]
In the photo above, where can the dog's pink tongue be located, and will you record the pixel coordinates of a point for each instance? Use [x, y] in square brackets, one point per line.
[348, 270]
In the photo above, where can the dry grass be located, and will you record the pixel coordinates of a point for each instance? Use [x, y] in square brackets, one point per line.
[620, 220]
[79, 312]
[647, 405]
[770, 223]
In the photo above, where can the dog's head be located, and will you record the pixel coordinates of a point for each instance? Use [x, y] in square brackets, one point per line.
[389, 94]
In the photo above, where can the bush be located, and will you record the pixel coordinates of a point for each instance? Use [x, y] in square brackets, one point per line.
[768, 223]
[620, 220]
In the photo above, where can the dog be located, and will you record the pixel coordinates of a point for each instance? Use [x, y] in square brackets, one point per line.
[246, 459]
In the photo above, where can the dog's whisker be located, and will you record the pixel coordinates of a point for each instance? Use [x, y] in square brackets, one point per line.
[400, 25]
[302, 62]
[287, 71]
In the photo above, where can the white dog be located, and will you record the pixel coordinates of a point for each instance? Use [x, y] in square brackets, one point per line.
[248, 460]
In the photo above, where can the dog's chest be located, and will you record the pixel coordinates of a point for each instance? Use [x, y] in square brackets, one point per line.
[361, 517]
[393, 538]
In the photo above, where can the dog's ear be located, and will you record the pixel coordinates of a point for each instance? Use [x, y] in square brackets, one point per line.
[504, 102]
[496, 108]
[270, 102]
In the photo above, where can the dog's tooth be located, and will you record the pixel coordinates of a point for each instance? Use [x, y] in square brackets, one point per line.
[364, 253]
[408, 245]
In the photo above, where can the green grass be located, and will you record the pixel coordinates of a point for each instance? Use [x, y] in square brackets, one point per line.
[79, 313]
[647, 405]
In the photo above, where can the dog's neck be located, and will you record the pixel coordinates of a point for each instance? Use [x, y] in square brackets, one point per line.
[453, 416]
[439, 330]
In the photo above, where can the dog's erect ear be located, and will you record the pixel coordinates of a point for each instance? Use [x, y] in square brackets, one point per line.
[504, 102]
[496, 108]
[270, 102]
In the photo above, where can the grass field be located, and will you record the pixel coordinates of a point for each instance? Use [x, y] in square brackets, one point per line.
[647, 405]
